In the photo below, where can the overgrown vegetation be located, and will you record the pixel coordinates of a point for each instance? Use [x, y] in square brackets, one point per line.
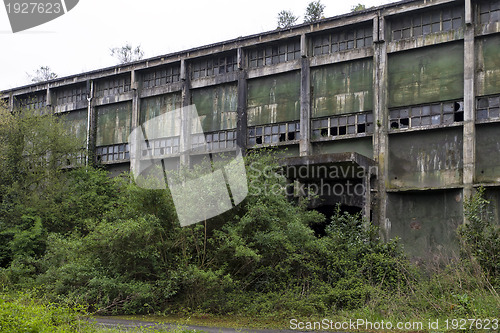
[111, 247]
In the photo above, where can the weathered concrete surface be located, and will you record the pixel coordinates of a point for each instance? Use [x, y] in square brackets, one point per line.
[488, 65]
[488, 153]
[274, 99]
[76, 122]
[426, 75]
[217, 106]
[425, 159]
[342, 88]
[426, 221]
[113, 123]
[361, 146]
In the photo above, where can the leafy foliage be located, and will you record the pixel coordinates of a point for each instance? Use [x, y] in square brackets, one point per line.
[42, 74]
[481, 235]
[127, 53]
[286, 19]
[358, 7]
[314, 11]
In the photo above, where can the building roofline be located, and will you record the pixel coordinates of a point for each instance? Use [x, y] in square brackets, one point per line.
[124, 68]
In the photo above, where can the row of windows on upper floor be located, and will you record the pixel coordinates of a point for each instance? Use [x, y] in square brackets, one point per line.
[325, 128]
[346, 38]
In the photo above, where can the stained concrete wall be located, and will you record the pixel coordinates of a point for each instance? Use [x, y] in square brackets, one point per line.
[342, 88]
[273, 99]
[488, 153]
[217, 106]
[113, 123]
[152, 107]
[488, 65]
[426, 222]
[425, 75]
[76, 122]
[361, 146]
[426, 159]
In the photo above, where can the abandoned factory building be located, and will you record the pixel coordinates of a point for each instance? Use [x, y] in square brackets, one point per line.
[408, 93]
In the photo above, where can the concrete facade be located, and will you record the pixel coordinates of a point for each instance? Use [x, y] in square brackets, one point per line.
[408, 93]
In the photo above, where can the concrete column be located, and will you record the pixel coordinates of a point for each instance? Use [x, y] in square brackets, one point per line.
[91, 123]
[368, 197]
[242, 121]
[136, 107]
[305, 108]
[380, 135]
[186, 101]
[49, 97]
[11, 102]
[469, 132]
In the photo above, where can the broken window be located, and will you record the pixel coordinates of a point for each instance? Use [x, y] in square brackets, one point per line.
[427, 22]
[113, 86]
[446, 113]
[488, 108]
[340, 40]
[113, 153]
[353, 124]
[274, 54]
[161, 76]
[274, 134]
[489, 11]
[214, 66]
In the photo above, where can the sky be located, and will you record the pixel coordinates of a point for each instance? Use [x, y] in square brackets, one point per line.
[80, 40]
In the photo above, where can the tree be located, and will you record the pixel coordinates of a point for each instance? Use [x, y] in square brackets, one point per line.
[358, 8]
[44, 73]
[127, 53]
[314, 11]
[286, 19]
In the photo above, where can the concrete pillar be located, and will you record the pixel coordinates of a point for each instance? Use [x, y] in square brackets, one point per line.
[242, 121]
[48, 99]
[367, 199]
[185, 123]
[305, 101]
[91, 123]
[11, 102]
[136, 107]
[380, 135]
[469, 132]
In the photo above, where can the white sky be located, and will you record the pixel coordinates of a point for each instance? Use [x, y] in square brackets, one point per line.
[80, 40]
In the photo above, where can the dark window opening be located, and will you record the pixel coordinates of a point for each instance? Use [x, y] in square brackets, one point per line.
[342, 130]
[282, 137]
[291, 136]
[258, 140]
[324, 132]
[459, 116]
[404, 122]
[361, 128]
[333, 131]
[395, 125]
